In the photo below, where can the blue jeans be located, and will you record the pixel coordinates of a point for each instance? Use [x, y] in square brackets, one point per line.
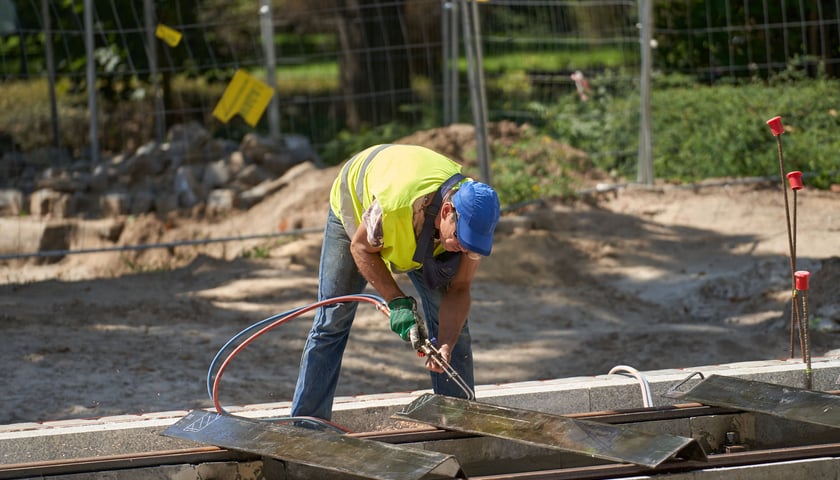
[320, 363]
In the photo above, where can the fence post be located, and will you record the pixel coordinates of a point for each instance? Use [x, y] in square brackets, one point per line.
[91, 82]
[151, 45]
[475, 70]
[645, 167]
[267, 31]
[449, 27]
[48, 51]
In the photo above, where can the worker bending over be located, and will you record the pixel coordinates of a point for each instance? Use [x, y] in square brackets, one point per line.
[398, 209]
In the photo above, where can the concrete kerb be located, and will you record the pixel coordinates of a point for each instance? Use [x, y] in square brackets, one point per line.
[26, 442]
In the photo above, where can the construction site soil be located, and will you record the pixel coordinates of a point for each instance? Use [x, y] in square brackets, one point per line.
[654, 278]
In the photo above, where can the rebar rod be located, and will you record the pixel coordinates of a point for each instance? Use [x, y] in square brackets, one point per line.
[794, 314]
[806, 351]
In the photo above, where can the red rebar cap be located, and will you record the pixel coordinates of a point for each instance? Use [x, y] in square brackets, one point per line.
[795, 180]
[801, 279]
[776, 126]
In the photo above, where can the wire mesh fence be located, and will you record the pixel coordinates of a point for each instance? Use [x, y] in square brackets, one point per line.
[326, 83]
[726, 39]
[93, 88]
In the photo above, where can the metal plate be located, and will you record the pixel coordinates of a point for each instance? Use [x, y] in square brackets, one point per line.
[327, 450]
[598, 440]
[777, 400]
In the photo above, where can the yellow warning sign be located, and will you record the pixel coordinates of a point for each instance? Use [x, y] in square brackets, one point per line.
[246, 96]
[169, 35]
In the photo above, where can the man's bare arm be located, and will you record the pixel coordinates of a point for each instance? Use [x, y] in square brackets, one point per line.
[372, 266]
[454, 308]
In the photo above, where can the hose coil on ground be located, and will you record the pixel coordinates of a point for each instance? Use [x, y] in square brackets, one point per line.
[214, 374]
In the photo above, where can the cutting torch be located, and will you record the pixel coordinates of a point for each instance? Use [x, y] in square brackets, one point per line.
[428, 349]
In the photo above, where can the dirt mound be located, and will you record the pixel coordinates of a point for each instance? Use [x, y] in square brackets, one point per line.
[458, 141]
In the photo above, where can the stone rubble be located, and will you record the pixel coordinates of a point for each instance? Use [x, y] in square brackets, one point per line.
[190, 169]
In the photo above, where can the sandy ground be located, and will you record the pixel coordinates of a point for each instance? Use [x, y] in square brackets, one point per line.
[651, 278]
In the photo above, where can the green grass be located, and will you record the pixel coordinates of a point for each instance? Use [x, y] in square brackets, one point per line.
[309, 79]
[313, 79]
[552, 61]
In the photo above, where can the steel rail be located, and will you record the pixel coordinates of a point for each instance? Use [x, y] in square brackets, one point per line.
[122, 461]
[208, 454]
[431, 434]
[401, 436]
[597, 472]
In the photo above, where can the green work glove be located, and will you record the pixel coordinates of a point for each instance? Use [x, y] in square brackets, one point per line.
[403, 315]
[406, 323]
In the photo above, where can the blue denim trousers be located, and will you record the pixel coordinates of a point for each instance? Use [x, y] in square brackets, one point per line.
[320, 363]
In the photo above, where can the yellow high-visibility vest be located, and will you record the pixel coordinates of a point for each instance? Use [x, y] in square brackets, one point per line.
[396, 176]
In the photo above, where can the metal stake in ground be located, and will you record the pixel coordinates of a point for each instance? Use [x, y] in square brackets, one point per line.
[777, 128]
[795, 183]
[801, 278]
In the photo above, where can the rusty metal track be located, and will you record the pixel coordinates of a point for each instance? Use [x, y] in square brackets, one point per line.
[430, 434]
[121, 462]
[212, 454]
[715, 461]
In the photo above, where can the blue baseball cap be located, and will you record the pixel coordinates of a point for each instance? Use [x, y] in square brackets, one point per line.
[478, 209]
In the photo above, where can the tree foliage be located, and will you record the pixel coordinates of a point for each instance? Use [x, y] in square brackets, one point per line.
[742, 39]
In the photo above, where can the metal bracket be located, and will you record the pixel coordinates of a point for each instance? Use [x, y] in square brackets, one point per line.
[673, 392]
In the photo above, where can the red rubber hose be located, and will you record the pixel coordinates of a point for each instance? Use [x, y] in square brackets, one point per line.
[347, 298]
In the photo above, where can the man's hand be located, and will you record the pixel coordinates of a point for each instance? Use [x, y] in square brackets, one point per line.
[406, 323]
[432, 365]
